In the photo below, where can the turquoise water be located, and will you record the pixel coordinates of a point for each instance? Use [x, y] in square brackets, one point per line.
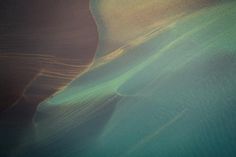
[170, 96]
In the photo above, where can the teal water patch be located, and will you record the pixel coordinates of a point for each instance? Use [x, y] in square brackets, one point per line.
[176, 93]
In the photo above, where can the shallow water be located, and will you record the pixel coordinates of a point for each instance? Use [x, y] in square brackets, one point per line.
[169, 93]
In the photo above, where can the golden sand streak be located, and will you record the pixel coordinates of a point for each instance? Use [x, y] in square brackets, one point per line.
[155, 30]
[25, 55]
[60, 89]
[44, 59]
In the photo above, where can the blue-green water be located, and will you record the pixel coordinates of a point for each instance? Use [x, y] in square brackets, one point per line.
[171, 96]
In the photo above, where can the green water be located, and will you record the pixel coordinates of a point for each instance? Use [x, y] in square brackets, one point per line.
[176, 94]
